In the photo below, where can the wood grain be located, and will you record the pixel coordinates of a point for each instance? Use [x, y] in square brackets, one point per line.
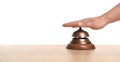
[58, 53]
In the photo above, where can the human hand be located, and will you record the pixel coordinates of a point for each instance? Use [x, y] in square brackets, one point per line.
[93, 23]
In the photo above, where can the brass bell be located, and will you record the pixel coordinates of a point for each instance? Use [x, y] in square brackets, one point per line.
[80, 41]
[80, 33]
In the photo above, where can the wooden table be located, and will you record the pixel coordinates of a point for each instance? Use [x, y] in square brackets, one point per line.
[58, 53]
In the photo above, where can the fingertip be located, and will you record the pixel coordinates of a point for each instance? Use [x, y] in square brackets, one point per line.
[65, 25]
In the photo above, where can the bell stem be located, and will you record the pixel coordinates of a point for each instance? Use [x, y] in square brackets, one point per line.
[80, 28]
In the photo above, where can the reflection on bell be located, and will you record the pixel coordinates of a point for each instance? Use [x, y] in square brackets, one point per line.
[80, 41]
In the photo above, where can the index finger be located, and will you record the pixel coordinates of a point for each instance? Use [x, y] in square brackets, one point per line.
[72, 24]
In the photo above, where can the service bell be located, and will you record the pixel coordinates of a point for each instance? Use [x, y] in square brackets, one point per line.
[80, 41]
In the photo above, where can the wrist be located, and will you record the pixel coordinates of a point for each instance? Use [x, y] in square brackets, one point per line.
[108, 18]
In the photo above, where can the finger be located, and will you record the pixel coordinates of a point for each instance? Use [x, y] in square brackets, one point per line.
[80, 23]
[85, 23]
[71, 24]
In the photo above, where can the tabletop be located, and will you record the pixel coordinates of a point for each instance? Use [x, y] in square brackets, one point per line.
[58, 53]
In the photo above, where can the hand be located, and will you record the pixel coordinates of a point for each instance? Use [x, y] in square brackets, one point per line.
[93, 23]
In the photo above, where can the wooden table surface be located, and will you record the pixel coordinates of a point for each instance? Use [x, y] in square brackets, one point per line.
[58, 53]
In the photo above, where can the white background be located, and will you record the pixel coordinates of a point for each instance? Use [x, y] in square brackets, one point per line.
[40, 21]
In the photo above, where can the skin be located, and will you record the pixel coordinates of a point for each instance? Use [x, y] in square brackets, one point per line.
[98, 22]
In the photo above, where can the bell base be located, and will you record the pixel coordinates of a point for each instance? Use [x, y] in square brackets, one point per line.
[80, 46]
